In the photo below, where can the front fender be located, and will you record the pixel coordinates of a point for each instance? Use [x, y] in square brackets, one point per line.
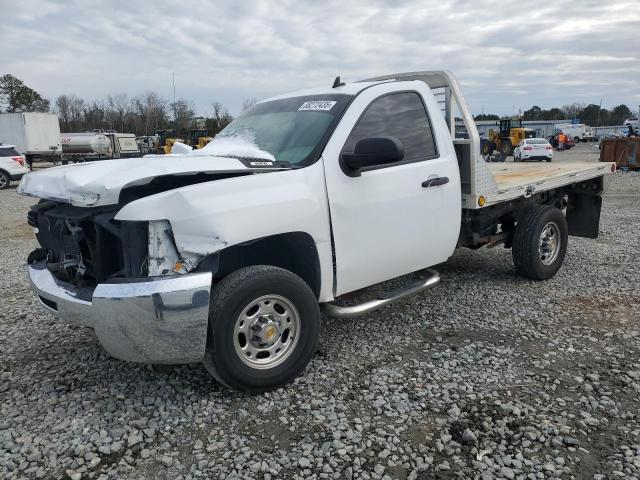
[208, 217]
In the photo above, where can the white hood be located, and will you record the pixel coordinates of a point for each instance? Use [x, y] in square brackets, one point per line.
[100, 182]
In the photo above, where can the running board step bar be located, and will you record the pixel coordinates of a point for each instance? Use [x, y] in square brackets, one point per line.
[350, 311]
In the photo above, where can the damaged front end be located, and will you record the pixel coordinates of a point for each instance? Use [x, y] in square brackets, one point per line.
[125, 279]
[86, 246]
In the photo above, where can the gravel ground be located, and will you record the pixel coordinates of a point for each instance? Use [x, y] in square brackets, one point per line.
[486, 376]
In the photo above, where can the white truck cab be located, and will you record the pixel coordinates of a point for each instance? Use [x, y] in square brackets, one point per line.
[227, 254]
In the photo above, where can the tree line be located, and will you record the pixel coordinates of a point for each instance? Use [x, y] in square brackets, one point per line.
[589, 114]
[147, 113]
[142, 114]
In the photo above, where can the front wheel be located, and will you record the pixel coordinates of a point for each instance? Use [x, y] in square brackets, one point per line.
[264, 328]
[540, 242]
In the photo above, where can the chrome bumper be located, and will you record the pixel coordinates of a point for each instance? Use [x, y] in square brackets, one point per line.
[159, 320]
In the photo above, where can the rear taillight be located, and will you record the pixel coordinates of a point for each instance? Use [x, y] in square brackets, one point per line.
[528, 148]
[20, 160]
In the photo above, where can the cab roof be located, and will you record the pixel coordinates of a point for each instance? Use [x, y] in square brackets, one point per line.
[347, 89]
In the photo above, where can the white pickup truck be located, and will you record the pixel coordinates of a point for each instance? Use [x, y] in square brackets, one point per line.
[226, 255]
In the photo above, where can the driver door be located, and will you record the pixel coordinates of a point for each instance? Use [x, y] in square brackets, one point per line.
[390, 220]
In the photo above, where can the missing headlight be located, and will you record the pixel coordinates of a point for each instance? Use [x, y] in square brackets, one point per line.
[164, 258]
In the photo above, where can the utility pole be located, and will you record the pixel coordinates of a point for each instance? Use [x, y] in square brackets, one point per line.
[599, 110]
[173, 81]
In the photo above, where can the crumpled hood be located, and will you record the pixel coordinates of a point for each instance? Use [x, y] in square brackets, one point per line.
[100, 182]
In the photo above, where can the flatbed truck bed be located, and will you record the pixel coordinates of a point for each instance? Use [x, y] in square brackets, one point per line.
[516, 180]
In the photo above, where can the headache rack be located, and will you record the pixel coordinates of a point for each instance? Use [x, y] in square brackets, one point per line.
[482, 184]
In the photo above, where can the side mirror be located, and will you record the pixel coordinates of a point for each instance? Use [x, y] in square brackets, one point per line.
[370, 152]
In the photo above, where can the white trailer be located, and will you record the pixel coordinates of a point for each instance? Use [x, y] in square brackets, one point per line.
[36, 135]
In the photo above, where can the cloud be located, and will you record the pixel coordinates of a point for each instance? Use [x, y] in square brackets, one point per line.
[231, 50]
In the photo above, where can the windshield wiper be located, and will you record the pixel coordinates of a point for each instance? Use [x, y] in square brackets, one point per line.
[285, 164]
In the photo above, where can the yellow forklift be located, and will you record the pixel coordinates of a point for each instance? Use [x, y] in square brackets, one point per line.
[510, 133]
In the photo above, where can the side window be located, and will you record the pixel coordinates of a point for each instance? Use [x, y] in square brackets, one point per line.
[400, 115]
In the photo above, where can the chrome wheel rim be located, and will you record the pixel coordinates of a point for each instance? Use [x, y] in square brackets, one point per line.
[266, 332]
[550, 243]
[4, 181]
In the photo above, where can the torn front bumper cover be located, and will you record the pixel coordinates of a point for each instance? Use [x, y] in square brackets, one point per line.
[154, 320]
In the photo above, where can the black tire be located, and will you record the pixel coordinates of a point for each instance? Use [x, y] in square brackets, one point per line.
[228, 300]
[487, 147]
[506, 148]
[527, 242]
[5, 180]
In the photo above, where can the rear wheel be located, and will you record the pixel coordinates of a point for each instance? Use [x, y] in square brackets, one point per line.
[5, 180]
[487, 148]
[540, 242]
[264, 328]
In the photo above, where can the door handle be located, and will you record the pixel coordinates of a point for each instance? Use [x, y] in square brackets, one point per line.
[434, 182]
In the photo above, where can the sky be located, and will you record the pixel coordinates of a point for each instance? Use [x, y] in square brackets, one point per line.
[507, 56]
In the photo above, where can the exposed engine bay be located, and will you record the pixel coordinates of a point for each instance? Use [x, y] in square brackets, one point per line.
[84, 246]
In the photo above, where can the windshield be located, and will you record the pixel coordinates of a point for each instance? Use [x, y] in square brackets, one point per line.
[291, 130]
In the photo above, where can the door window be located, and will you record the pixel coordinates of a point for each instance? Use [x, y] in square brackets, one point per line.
[399, 115]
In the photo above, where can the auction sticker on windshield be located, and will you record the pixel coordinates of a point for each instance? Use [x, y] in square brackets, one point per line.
[325, 105]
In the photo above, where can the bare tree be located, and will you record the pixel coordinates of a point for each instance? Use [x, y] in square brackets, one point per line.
[151, 113]
[573, 110]
[118, 110]
[70, 110]
[94, 115]
[183, 113]
[221, 118]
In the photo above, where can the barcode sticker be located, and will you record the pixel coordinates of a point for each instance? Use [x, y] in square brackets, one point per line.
[324, 105]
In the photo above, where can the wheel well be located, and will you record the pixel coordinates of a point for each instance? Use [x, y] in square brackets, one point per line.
[582, 202]
[293, 251]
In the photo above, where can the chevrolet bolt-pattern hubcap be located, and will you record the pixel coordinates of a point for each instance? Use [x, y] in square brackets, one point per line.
[266, 331]
[549, 246]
